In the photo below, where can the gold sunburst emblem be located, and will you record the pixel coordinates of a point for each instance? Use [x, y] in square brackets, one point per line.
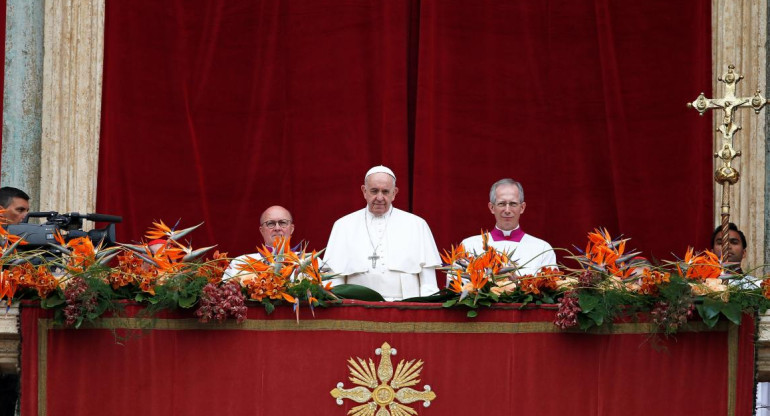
[383, 391]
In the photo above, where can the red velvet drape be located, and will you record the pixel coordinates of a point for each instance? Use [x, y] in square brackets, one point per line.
[581, 101]
[214, 110]
[505, 362]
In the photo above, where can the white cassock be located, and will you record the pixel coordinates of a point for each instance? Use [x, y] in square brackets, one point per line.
[530, 253]
[394, 254]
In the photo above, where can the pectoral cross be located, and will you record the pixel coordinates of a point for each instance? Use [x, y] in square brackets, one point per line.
[374, 257]
[726, 174]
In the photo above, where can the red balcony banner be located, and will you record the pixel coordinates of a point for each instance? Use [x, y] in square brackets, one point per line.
[381, 359]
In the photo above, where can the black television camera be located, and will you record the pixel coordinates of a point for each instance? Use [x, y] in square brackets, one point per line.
[68, 225]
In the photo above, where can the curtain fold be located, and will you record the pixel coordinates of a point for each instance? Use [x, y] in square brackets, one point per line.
[213, 111]
[582, 102]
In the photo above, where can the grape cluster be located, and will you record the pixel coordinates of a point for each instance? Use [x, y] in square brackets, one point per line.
[79, 302]
[219, 302]
[566, 316]
[671, 316]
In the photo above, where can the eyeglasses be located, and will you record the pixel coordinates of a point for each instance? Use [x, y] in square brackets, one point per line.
[502, 204]
[272, 224]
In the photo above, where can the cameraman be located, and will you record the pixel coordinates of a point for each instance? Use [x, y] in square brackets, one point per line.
[15, 202]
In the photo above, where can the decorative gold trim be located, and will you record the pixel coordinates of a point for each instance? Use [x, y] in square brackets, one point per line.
[732, 367]
[383, 327]
[43, 325]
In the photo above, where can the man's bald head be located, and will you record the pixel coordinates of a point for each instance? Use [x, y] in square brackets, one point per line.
[276, 221]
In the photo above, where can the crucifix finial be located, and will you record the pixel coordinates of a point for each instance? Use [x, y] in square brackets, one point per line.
[726, 174]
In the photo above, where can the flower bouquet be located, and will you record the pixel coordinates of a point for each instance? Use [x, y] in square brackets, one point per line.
[612, 284]
[283, 274]
[492, 277]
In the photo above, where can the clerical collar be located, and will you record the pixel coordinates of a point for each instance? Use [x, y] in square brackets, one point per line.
[371, 217]
[514, 235]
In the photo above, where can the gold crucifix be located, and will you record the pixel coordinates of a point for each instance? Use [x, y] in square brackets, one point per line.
[726, 174]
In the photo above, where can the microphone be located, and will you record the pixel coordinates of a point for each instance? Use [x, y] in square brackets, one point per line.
[103, 218]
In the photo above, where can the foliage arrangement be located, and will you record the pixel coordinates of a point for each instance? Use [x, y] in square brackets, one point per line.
[283, 274]
[492, 277]
[609, 284]
[87, 280]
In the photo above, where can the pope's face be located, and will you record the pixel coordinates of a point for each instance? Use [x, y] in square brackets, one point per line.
[379, 191]
[16, 210]
[735, 250]
[507, 207]
[276, 222]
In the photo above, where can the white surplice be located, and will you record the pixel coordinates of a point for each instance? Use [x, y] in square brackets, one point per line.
[530, 254]
[405, 254]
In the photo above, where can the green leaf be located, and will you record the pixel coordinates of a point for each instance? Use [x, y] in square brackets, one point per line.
[449, 303]
[187, 301]
[732, 312]
[597, 317]
[585, 322]
[587, 302]
[357, 292]
[51, 302]
[440, 296]
[710, 308]
[269, 307]
[473, 313]
[711, 322]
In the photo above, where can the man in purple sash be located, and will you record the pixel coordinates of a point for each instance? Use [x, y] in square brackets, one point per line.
[506, 203]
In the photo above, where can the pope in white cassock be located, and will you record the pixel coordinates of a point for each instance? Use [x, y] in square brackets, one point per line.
[506, 202]
[384, 248]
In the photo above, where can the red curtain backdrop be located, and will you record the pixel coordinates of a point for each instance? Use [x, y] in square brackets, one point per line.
[504, 362]
[581, 101]
[215, 110]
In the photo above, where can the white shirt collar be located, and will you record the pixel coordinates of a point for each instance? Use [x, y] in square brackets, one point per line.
[507, 233]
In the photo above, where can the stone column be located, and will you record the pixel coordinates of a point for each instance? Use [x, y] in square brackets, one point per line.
[739, 36]
[9, 340]
[72, 74]
[22, 97]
